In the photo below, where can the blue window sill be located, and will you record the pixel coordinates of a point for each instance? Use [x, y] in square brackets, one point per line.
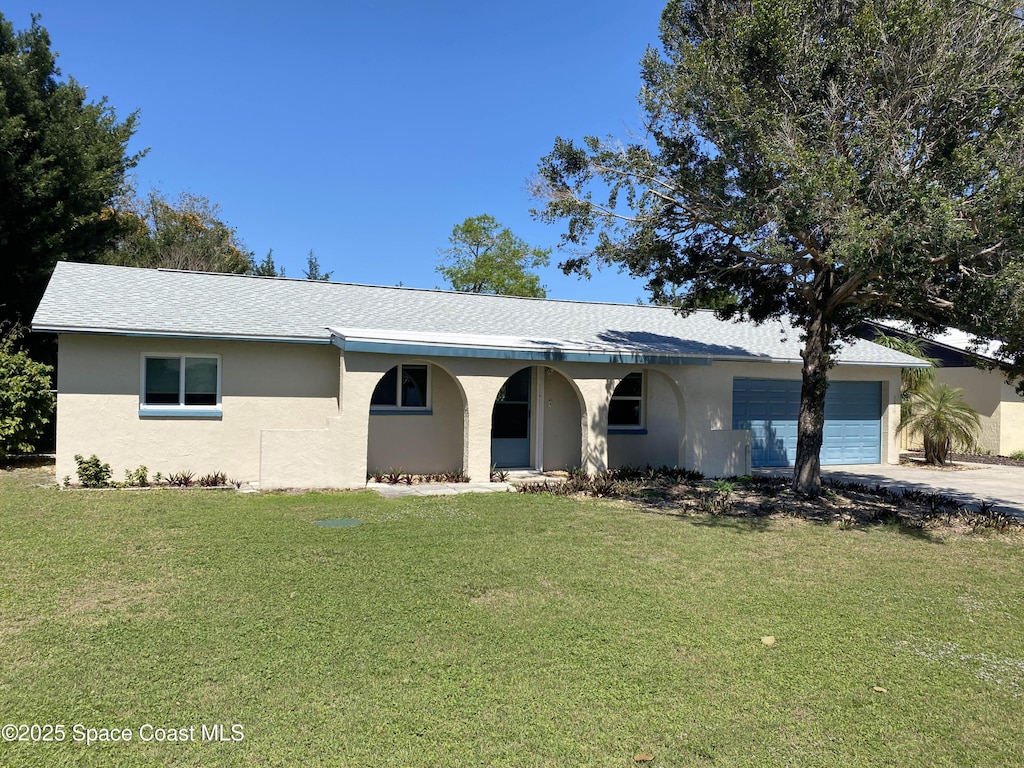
[180, 413]
[401, 412]
[627, 431]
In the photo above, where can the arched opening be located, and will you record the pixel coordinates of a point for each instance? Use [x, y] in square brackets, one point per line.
[511, 425]
[416, 421]
[645, 421]
[562, 424]
[536, 421]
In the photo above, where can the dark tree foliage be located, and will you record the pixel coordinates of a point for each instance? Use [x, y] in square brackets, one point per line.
[62, 161]
[829, 161]
[267, 267]
[313, 270]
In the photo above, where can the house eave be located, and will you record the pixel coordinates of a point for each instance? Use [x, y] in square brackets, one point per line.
[159, 334]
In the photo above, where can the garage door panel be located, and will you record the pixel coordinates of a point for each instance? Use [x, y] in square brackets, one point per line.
[770, 408]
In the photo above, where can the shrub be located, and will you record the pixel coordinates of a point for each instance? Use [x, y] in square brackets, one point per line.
[26, 403]
[92, 473]
[138, 478]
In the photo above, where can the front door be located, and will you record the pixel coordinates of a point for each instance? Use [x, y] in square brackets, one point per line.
[510, 422]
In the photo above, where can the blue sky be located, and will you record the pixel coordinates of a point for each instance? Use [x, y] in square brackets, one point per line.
[364, 131]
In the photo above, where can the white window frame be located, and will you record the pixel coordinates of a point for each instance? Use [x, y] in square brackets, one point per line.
[424, 409]
[641, 398]
[179, 410]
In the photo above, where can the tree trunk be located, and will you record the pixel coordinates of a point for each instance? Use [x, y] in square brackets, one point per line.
[811, 423]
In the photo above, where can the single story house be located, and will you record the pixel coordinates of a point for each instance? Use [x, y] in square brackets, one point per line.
[306, 384]
[976, 370]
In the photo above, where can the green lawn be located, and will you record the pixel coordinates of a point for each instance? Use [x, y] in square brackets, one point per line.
[499, 630]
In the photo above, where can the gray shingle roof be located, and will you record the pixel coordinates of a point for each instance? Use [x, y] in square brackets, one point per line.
[89, 298]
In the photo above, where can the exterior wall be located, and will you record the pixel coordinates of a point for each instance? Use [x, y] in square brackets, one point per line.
[1011, 420]
[707, 392]
[299, 415]
[982, 392]
[561, 422]
[263, 386]
[420, 443]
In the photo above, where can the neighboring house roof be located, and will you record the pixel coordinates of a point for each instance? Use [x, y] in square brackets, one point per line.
[90, 298]
[952, 339]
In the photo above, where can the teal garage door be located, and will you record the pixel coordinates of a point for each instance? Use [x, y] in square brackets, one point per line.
[769, 409]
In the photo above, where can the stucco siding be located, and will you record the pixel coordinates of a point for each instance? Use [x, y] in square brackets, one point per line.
[1011, 420]
[263, 386]
[981, 391]
[562, 422]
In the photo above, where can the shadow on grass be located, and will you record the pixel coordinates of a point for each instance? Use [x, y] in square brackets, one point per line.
[755, 504]
[734, 523]
[29, 461]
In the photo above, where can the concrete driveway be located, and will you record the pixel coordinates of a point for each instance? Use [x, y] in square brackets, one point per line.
[969, 483]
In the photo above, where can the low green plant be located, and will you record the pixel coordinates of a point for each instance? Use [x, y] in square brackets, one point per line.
[137, 478]
[1019, 455]
[723, 487]
[213, 480]
[92, 473]
[182, 479]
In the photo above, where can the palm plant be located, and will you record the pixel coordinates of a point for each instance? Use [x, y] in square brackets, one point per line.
[912, 380]
[943, 419]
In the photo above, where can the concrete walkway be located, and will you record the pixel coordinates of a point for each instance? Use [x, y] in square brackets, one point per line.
[389, 491]
[970, 484]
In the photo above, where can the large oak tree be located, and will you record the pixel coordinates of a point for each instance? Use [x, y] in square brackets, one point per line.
[829, 161]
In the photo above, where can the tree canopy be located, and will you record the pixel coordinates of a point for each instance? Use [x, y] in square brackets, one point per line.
[63, 160]
[184, 234]
[827, 161]
[484, 257]
[313, 270]
[267, 267]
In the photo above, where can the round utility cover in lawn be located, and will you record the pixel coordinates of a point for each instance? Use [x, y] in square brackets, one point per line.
[344, 523]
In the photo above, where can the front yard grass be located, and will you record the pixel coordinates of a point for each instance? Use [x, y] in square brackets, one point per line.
[500, 629]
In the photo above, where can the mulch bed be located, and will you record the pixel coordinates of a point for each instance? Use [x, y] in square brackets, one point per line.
[973, 458]
[846, 505]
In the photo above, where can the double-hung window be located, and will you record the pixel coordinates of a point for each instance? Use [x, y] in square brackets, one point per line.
[626, 409]
[180, 385]
[403, 388]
